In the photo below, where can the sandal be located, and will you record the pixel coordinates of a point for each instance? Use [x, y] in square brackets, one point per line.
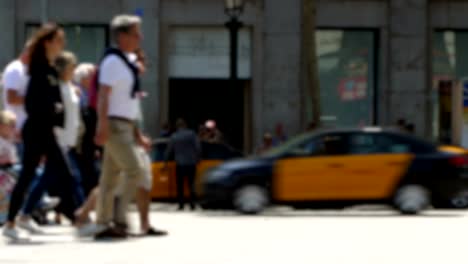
[155, 232]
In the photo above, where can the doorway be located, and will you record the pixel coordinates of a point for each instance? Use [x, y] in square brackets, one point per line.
[198, 100]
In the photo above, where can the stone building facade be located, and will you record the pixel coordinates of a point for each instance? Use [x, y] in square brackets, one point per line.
[375, 58]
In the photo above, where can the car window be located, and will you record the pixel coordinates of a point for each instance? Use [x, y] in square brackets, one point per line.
[415, 145]
[325, 145]
[216, 151]
[366, 143]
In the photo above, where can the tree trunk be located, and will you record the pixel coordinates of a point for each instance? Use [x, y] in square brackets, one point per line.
[311, 77]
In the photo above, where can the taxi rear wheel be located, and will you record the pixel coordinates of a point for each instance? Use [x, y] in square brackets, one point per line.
[250, 199]
[412, 199]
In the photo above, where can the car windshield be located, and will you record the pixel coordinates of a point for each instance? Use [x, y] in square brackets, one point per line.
[288, 145]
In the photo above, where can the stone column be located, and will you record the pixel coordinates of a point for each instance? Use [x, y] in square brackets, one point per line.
[409, 90]
[281, 93]
[7, 27]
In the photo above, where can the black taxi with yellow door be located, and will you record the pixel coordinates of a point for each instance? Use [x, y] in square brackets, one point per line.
[341, 167]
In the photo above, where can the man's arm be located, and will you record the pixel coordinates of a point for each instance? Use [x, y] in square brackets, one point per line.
[13, 97]
[102, 132]
[142, 139]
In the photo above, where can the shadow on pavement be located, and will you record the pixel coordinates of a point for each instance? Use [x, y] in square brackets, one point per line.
[324, 214]
[25, 243]
[373, 211]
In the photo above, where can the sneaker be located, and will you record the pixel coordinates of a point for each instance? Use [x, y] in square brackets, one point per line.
[49, 203]
[15, 234]
[30, 226]
[90, 229]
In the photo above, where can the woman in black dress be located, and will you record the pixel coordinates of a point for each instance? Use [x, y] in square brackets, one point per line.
[45, 111]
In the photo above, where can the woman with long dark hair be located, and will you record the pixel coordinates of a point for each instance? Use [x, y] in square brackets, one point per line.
[45, 112]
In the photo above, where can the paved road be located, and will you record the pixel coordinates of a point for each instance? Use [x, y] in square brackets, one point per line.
[280, 235]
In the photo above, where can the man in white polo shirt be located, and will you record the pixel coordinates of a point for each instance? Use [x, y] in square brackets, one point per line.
[117, 130]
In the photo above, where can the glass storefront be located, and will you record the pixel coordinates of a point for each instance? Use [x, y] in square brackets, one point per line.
[449, 66]
[86, 41]
[347, 71]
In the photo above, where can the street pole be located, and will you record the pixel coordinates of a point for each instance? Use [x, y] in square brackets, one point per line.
[234, 25]
[310, 58]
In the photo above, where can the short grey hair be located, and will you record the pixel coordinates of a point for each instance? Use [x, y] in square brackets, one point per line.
[84, 70]
[123, 24]
[65, 59]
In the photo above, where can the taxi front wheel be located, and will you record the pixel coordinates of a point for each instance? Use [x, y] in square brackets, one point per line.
[412, 199]
[250, 199]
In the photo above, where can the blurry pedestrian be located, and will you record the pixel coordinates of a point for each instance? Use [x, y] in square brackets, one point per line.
[15, 80]
[185, 146]
[214, 135]
[143, 198]
[280, 136]
[117, 129]
[410, 128]
[311, 127]
[8, 151]
[45, 111]
[267, 143]
[165, 130]
[401, 124]
[86, 148]
[8, 157]
[203, 133]
[67, 137]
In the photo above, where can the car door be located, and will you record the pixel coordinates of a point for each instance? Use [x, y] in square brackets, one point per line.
[163, 180]
[375, 164]
[312, 170]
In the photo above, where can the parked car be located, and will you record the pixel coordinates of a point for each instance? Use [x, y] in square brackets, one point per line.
[164, 182]
[342, 167]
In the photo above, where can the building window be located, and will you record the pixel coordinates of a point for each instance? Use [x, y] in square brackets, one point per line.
[86, 41]
[347, 75]
[449, 66]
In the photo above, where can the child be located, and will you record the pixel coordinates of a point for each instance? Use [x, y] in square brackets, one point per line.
[8, 157]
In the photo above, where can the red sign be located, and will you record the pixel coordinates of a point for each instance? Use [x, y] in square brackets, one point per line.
[353, 88]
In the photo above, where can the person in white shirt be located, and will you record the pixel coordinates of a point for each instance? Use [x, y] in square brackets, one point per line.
[117, 130]
[143, 198]
[68, 135]
[15, 81]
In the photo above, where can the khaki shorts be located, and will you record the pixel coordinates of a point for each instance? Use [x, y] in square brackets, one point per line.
[146, 182]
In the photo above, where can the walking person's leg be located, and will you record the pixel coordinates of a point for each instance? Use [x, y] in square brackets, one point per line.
[143, 199]
[33, 151]
[180, 186]
[77, 177]
[58, 165]
[40, 185]
[107, 187]
[82, 213]
[128, 157]
[120, 156]
[191, 173]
